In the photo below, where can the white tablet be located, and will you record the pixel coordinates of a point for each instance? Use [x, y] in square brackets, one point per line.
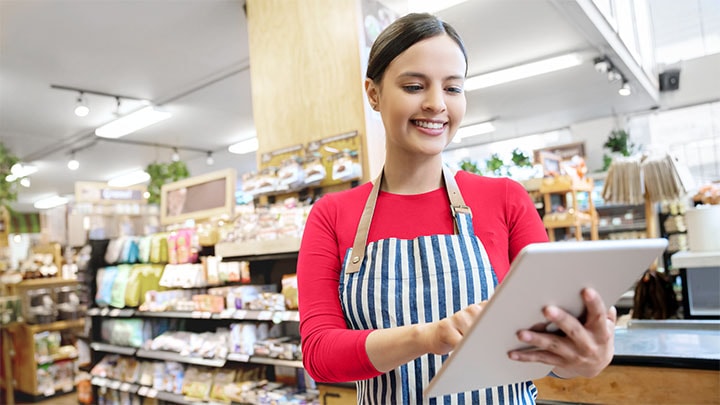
[542, 274]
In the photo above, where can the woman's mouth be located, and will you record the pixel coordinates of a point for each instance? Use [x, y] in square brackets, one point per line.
[429, 127]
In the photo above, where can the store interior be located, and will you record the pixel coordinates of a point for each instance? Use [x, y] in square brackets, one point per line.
[123, 282]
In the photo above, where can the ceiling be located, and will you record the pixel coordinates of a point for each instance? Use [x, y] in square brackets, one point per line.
[191, 58]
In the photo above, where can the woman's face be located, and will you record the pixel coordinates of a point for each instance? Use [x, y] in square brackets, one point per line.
[421, 97]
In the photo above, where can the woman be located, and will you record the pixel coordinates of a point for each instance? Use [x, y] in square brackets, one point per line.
[409, 268]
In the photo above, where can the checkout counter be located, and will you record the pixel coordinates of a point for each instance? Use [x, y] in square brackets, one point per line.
[655, 362]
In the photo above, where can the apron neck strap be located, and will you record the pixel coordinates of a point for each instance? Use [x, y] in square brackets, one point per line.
[357, 254]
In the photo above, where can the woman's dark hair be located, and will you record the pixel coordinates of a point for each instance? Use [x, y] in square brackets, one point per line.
[401, 35]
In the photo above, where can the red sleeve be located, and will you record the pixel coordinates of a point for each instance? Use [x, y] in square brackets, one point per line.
[524, 223]
[331, 351]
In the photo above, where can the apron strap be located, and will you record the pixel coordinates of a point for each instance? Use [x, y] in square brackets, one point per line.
[357, 253]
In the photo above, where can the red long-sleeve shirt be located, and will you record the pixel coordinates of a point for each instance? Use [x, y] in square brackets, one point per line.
[504, 218]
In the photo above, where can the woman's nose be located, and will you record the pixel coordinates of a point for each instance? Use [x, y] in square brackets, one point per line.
[434, 101]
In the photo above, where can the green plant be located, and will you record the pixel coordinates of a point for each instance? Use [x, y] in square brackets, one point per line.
[470, 166]
[161, 173]
[495, 164]
[520, 158]
[618, 142]
[8, 189]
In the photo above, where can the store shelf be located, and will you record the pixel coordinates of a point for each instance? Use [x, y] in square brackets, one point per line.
[108, 348]
[286, 246]
[114, 384]
[143, 391]
[54, 326]
[171, 356]
[276, 362]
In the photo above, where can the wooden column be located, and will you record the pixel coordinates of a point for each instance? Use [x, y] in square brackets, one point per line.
[306, 72]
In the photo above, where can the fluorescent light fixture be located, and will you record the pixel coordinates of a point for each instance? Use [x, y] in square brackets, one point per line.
[129, 179]
[132, 122]
[522, 71]
[19, 170]
[431, 6]
[50, 202]
[473, 130]
[243, 147]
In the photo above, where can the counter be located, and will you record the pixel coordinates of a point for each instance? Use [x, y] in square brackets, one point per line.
[655, 362]
[700, 274]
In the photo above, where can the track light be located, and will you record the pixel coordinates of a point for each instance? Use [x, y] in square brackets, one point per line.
[209, 161]
[625, 89]
[73, 164]
[81, 109]
[175, 155]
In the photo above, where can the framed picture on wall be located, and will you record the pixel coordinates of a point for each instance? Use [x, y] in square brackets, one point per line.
[199, 197]
[551, 163]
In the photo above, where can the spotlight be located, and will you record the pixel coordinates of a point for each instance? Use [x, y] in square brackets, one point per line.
[73, 164]
[209, 161]
[625, 89]
[175, 156]
[614, 75]
[82, 109]
[602, 64]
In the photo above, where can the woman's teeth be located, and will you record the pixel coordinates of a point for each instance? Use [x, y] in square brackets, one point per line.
[429, 125]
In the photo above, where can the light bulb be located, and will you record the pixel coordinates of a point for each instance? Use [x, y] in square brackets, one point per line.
[625, 89]
[210, 161]
[81, 110]
[175, 156]
[73, 164]
[25, 182]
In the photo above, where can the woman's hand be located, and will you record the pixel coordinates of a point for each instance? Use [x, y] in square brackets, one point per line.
[587, 347]
[442, 336]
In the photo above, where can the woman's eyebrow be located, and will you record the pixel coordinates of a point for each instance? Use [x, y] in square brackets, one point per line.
[424, 76]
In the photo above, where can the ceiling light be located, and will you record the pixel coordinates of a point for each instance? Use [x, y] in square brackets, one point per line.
[129, 179]
[209, 161]
[175, 155]
[625, 89]
[473, 130]
[19, 170]
[132, 122]
[81, 109]
[522, 71]
[431, 6]
[25, 182]
[73, 163]
[246, 146]
[50, 202]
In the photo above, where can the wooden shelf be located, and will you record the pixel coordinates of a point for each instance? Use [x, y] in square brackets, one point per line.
[553, 221]
[49, 327]
[568, 188]
[565, 184]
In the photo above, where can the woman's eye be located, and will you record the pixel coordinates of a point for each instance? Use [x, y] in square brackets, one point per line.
[455, 89]
[412, 88]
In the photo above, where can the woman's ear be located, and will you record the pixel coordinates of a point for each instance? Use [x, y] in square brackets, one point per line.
[373, 92]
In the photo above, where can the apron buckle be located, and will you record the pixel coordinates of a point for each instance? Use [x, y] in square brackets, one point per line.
[460, 209]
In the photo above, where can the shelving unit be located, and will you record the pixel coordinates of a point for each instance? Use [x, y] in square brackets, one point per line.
[573, 216]
[26, 361]
[270, 260]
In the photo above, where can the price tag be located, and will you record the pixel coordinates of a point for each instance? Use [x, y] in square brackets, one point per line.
[240, 314]
[114, 312]
[152, 393]
[239, 357]
[196, 315]
[143, 391]
[125, 387]
[104, 312]
[265, 315]
[114, 384]
[206, 315]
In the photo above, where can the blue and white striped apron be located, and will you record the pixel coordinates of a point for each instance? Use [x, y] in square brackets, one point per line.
[396, 282]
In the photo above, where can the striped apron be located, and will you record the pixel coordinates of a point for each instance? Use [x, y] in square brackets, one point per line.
[394, 282]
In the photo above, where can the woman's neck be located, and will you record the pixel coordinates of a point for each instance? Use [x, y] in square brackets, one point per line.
[412, 177]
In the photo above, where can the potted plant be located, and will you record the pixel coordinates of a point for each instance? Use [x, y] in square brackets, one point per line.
[161, 173]
[618, 143]
[8, 189]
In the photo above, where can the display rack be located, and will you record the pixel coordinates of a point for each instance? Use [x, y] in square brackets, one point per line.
[568, 188]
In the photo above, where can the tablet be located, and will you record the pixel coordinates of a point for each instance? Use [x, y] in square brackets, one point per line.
[542, 274]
